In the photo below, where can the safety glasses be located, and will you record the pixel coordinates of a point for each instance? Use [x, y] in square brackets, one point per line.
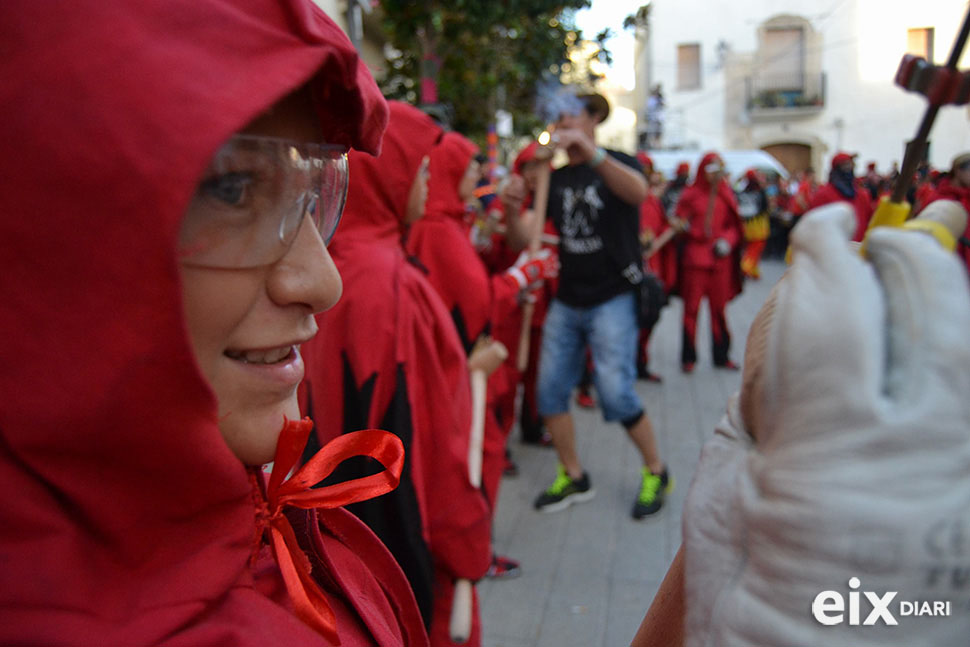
[254, 196]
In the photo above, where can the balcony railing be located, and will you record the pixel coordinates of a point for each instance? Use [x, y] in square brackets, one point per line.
[796, 94]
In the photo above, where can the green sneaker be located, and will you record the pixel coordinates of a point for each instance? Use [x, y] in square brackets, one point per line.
[564, 492]
[653, 489]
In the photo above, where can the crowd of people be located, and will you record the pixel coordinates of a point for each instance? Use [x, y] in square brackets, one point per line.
[227, 422]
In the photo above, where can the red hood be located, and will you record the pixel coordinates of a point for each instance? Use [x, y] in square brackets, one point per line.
[379, 187]
[525, 156]
[700, 182]
[449, 161]
[126, 517]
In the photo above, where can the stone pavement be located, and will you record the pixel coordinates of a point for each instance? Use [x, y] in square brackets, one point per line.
[590, 572]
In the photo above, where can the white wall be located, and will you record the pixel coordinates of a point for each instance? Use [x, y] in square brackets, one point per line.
[862, 42]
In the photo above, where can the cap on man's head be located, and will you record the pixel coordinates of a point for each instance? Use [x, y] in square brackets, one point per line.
[841, 157]
[596, 105]
[683, 169]
[959, 161]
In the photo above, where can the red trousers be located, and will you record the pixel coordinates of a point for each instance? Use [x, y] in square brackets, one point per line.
[715, 285]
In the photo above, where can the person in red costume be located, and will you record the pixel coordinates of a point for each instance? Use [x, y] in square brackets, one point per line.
[807, 186]
[710, 265]
[188, 160]
[842, 187]
[515, 197]
[475, 299]
[956, 186]
[388, 356]
[661, 264]
[753, 209]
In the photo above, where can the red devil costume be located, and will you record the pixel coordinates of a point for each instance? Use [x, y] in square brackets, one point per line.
[387, 356]
[662, 264]
[711, 214]
[127, 519]
[753, 209]
[440, 242]
[499, 257]
[842, 187]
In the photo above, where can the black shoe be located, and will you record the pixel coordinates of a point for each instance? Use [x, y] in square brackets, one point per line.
[564, 492]
[643, 373]
[653, 490]
[510, 468]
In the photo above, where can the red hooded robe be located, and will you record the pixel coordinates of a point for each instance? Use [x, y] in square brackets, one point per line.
[387, 356]
[499, 258]
[475, 300]
[702, 272]
[861, 202]
[126, 518]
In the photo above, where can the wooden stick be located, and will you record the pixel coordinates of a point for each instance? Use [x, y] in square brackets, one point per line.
[460, 621]
[539, 208]
[659, 242]
[663, 623]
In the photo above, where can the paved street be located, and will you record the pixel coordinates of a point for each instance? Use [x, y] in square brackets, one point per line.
[590, 572]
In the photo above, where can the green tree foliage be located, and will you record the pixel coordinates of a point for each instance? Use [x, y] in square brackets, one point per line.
[493, 54]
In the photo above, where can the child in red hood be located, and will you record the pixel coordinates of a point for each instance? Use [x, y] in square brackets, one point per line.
[662, 263]
[188, 160]
[476, 300]
[515, 203]
[388, 356]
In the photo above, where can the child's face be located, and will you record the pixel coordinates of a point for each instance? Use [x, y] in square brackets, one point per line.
[466, 186]
[246, 324]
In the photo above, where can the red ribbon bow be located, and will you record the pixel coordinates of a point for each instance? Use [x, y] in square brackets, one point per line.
[309, 601]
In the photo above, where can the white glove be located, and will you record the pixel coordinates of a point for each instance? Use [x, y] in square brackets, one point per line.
[530, 271]
[721, 248]
[846, 455]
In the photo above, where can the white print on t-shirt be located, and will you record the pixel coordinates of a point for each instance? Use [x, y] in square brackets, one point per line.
[578, 235]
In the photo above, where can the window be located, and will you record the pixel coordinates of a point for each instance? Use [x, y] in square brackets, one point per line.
[920, 42]
[784, 57]
[689, 67]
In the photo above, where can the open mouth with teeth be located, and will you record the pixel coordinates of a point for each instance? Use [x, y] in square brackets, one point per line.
[269, 356]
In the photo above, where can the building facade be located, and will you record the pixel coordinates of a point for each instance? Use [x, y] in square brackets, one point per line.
[796, 78]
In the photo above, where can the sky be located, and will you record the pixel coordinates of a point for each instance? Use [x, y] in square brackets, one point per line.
[610, 13]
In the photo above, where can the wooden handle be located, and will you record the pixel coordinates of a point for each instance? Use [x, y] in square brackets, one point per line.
[460, 622]
[659, 242]
[535, 244]
[477, 435]
[663, 623]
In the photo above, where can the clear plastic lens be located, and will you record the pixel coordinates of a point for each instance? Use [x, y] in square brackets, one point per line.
[252, 200]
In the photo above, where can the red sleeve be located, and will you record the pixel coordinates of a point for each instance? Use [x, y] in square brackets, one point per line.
[460, 277]
[825, 194]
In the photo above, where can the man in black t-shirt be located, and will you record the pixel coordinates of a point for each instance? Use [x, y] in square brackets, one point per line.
[594, 203]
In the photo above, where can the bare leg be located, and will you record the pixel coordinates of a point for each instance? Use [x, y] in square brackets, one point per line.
[645, 440]
[563, 434]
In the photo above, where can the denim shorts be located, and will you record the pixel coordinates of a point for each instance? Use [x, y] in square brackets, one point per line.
[610, 330]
